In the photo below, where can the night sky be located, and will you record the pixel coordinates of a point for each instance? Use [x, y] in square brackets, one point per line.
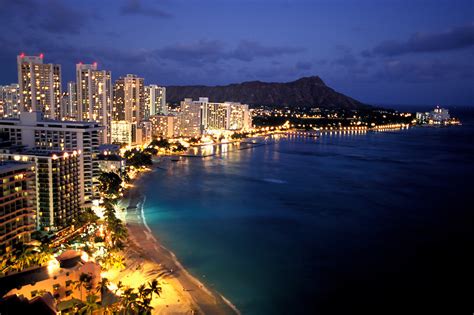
[380, 51]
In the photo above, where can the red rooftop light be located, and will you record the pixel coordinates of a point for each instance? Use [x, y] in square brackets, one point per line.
[41, 55]
[22, 55]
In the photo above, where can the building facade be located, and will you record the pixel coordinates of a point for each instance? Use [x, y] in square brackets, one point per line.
[129, 99]
[155, 101]
[57, 186]
[189, 118]
[121, 132]
[40, 86]
[164, 126]
[10, 101]
[17, 204]
[212, 116]
[93, 96]
[70, 109]
[35, 132]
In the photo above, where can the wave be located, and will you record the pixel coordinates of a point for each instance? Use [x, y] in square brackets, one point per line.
[275, 181]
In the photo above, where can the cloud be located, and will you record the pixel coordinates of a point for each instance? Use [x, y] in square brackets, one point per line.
[63, 19]
[453, 39]
[195, 53]
[346, 60]
[425, 70]
[135, 7]
[302, 65]
[249, 50]
[211, 51]
[51, 16]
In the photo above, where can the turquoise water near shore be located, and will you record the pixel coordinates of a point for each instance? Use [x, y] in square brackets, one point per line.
[371, 222]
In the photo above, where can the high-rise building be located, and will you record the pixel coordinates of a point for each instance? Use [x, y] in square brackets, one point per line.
[129, 99]
[124, 132]
[121, 132]
[190, 118]
[35, 132]
[17, 204]
[164, 126]
[213, 116]
[240, 117]
[40, 86]
[225, 116]
[155, 101]
[93, 96]
[70, 102]
[58, 196]
[9, 101]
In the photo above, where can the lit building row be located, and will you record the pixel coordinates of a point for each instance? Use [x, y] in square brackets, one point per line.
[197, 117]
[92, 97]
[33, 131]
[437, 116]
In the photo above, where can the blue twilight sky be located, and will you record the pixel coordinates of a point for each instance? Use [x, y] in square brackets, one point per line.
[377, 51]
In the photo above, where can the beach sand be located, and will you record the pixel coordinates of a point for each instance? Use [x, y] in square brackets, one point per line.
[147, 259]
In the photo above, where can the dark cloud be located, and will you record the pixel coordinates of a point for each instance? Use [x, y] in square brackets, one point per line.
[194, 54]
[60, 18]
[249, 50]
[425, 70]
[456, 38]
[212, 51]
[346, 60]
[51, 16]
[301, 65]
[136, 7]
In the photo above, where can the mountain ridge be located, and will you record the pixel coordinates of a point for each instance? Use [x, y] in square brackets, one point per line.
[303, 92]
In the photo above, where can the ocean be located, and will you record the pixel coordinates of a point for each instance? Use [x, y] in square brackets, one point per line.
[378, 223]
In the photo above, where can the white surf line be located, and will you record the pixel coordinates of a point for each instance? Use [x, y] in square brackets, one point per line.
[193, 279]
[143, 214]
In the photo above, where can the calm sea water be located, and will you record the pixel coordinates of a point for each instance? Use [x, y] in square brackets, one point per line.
[377, 222]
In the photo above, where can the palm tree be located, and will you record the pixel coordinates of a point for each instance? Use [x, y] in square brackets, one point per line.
[102, 286]
[155, 287]
[43, 255]
[6, 261]
[84, 281]
[90, 305]
[130, 301]
[144, 306]
[25, 258]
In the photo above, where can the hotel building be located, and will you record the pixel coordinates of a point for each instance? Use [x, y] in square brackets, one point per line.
[190, 118]
[40, 86]
[70, 108]
[213, 116]
[129, 99]
[17, 204]
[93, 96]
[155, 101]
[124, 132]
[58, 196]
[164, 125]
[35, 132]
[10, 101]
[121, 132]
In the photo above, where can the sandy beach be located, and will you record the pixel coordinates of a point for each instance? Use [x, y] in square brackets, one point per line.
[147, 259]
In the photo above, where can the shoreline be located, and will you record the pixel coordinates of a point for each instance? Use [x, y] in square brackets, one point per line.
[193, 297]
